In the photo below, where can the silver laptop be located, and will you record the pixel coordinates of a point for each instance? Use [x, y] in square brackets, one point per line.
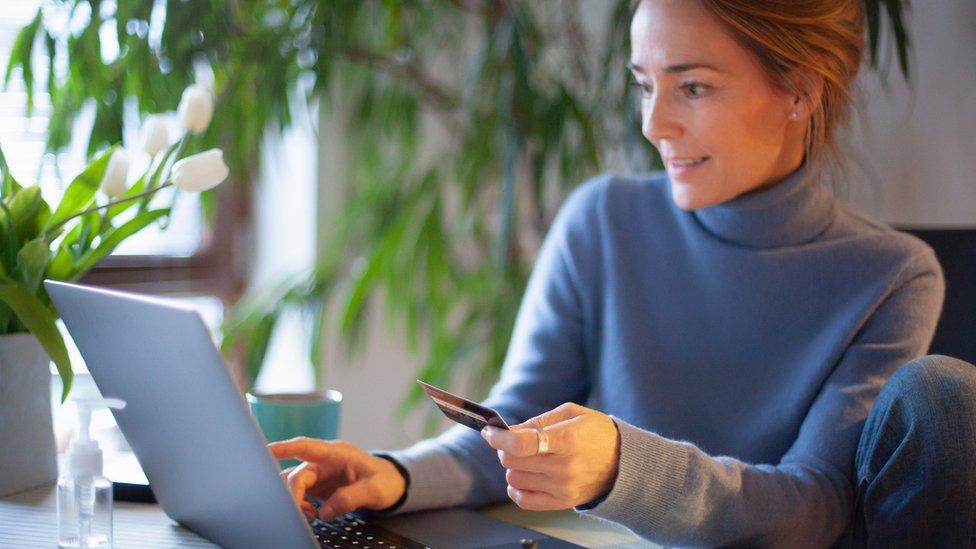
[194, 436]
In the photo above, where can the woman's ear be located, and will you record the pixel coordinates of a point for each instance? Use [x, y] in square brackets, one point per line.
[808, 91]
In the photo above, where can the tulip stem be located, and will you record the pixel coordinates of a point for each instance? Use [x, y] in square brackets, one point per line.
[184, 141]
[50, 232]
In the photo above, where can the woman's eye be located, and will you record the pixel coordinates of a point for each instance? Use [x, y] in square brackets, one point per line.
[694, 90]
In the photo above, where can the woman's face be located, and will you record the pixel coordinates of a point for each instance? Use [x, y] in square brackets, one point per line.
[721, 127]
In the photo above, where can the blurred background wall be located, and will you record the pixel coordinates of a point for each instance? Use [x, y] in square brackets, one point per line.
[912, 149]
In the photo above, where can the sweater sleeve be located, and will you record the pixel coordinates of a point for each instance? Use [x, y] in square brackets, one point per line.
[672, 492]
[544, 368]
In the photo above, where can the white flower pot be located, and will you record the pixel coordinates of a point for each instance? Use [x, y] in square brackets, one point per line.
[27, 454]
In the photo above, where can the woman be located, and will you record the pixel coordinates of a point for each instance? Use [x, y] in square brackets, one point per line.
[729, 322]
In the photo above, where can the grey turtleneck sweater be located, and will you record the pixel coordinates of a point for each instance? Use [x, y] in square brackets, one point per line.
[738, 349]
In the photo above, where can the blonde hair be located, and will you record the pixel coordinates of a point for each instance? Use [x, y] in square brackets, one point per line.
[799, 42]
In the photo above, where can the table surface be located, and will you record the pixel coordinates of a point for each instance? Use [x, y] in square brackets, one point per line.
[28, 519]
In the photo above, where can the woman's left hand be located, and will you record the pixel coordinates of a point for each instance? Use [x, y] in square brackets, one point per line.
[579, 467]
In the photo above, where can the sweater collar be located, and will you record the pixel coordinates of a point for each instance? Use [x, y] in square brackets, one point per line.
[794, 211]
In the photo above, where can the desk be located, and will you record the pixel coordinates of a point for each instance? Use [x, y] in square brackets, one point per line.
[29, 520]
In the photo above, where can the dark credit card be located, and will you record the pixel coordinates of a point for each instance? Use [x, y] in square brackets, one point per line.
[462, 410]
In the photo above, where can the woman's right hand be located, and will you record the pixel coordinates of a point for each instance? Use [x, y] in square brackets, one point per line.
[340, 473]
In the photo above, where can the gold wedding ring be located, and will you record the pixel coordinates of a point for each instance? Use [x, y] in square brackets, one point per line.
[543, 442]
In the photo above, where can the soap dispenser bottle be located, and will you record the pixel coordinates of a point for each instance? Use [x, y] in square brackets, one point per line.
[84, 495]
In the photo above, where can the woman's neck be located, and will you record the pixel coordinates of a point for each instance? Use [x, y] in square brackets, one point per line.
[782, 169]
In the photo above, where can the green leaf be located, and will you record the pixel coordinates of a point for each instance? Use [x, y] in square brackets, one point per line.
[257, 347]
[110, 240]
[87, 231]
[42, 323]
[60, 267]
[894, 8]
[20, 55]
[81, 192]
[27, 208]
[873, 15]
[31, 262]
[107, 127]
[318, 312]
[10, 185]
[251, 323]
[356, 300]
[8, 320]
[9, 252]
[51, 48]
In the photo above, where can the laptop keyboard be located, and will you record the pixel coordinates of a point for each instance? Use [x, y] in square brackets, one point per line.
[354, 532]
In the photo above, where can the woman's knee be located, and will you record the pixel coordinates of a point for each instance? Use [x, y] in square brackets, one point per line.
[934, 395]
[928, 405]
[938, 382]
[915, 463]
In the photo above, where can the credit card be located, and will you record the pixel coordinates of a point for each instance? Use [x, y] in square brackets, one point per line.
[462, 410]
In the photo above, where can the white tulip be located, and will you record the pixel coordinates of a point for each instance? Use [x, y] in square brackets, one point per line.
[116, 173]
[196, 108]
[200, 171]
[155, 135]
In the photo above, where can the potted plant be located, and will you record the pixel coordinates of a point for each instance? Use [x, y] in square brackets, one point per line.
[63, 241]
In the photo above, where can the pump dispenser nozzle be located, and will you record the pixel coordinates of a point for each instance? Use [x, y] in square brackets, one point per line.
[85, 406]
[84, 455]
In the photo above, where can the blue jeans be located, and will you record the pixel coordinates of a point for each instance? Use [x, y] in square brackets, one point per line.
[916, 461]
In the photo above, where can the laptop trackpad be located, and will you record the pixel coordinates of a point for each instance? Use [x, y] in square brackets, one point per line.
[463, 528]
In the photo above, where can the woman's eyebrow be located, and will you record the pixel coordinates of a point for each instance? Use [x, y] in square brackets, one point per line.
[680, 67]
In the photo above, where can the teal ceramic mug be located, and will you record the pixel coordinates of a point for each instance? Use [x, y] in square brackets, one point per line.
[288, 415]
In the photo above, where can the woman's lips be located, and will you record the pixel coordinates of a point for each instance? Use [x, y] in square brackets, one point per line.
[684, 166]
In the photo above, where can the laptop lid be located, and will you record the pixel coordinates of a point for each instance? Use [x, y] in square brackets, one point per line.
[185, 420]
[196, 439]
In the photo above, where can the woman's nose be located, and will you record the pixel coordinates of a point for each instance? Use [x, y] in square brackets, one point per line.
[657, 121]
